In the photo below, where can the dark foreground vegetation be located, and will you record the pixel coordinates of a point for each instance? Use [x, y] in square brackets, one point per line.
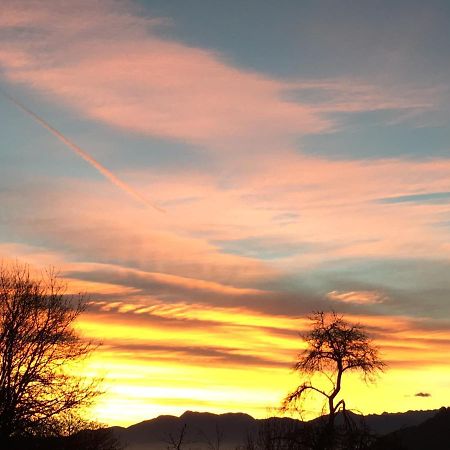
[434, 434]
[41, 398]
[412, 430]
[95, 439]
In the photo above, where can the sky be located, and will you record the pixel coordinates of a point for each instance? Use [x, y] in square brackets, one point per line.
[211, 172]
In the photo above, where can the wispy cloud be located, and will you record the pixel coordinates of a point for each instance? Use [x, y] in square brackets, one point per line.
[359, 297]
[135, 84]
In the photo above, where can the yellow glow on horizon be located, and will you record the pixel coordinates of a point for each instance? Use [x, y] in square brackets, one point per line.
[184, 369]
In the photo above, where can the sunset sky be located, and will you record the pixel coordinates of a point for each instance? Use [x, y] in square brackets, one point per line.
[210, 172]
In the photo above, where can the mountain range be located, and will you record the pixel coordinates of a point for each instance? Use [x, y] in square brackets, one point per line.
[416, 430]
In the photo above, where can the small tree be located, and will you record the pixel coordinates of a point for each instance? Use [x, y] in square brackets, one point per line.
[38, 349]
[334, 347]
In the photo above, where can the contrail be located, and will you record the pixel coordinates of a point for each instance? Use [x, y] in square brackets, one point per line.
[88, 158]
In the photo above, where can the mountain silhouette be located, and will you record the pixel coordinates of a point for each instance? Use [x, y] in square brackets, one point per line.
[201, 430]
[433, 433]
[207, 431]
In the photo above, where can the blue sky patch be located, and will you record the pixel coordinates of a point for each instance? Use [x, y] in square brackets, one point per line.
[431, 197]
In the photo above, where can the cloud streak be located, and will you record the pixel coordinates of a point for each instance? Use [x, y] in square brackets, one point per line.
[114, 179]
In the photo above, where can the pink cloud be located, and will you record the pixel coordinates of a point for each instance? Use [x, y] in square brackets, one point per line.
[336, 205]
[359, 297]
[107, 228]
[107, 60]
[112, 66]
[334, 202]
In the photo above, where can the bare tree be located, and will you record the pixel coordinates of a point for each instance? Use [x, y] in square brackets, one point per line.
[39, 349]
[213, 442]
[177, 441]
[334, 347]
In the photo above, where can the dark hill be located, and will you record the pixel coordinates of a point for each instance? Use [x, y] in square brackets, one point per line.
[385, 423]
[202, 430]
[433, 434]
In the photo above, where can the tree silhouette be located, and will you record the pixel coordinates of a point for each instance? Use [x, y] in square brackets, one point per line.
[38, 349]
[179, 440]
[334, 347]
